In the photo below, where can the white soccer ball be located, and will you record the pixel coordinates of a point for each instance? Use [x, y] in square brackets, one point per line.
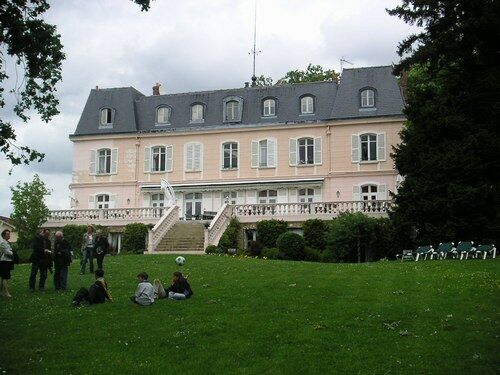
[180, 260]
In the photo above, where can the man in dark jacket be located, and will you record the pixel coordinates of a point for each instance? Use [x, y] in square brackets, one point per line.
[41, 259]
[62, 259]
[101, 248]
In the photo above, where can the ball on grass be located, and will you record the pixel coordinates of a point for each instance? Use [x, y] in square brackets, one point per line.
[180, 260]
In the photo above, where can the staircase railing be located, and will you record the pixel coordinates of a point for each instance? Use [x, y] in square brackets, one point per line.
[218, 225]
[166, 222]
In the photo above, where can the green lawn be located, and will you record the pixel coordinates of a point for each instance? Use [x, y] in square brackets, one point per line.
[251, 316]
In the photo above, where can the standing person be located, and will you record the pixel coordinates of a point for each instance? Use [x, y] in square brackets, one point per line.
[62, 260]
[97, 293]
[6, 263]
[88, 249]
[144, 294]
[101, 248]
[41, 259]
[180, 288]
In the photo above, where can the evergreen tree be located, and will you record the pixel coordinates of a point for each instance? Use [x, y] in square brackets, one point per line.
[449, 154]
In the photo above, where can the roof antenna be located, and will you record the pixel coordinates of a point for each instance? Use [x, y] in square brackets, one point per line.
[343, 60]
[254, 52]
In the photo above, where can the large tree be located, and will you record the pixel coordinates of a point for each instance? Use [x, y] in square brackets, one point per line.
[449, 151]
[35, 48]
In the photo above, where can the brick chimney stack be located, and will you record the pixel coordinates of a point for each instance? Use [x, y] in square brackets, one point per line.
[156, 89]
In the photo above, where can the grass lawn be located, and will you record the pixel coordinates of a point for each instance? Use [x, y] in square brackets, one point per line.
[251, 316]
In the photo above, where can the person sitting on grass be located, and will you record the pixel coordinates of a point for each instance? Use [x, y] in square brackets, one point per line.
[180, 288]
[144, 294]
[97, 293]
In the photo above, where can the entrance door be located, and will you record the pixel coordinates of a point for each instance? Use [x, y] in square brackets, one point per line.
[192, 206]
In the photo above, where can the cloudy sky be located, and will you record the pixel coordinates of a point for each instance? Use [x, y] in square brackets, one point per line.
[189, 45]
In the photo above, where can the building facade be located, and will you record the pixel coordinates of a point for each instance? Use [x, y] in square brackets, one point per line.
[310, 142]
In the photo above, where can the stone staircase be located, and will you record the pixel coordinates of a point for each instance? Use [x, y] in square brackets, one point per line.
[183, 237]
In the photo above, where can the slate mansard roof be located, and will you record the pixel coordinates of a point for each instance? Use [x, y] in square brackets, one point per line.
[135, 112]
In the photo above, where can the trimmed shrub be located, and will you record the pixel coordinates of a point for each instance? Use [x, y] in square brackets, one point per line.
[254, 248]
[268, 231]
[230, 237]
[312, 255]
[212, 249]
[291, 245]
[270, 253]
[315, 233]
[134, 238]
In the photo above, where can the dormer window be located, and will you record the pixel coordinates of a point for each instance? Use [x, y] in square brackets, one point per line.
[368, 98]
[307, 105]
[163, 115]
[197, 114]
[232, 109]
[269, 107]
[106, 116]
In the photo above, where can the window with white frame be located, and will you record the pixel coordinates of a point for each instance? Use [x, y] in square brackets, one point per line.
[264, 153]
[158, 158]
[104, 161]
[230, 155]
[369, 192]
[193, 157]
[157, 200]
[163, 115]
[229, 197]
[197, 113]
[307, 104]
[232, 111]
[268, 196]
[106, 116]
[263, 161]
[305, 151]
[269, 107]
[306, 195]
[102, 201]
[368, 147]
[367, 98]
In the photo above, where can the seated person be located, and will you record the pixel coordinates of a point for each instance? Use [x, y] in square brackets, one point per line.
[97, 293]
[180, 288]
[144, 294]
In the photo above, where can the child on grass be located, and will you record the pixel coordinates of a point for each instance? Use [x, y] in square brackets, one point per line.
[180, 288]
[144, 294]
[97, 293]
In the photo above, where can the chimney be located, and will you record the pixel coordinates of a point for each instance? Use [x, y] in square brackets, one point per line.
[156, 89]
[247, 84]
[97, 87]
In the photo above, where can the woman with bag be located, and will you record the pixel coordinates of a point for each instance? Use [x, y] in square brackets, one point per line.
[6, 263]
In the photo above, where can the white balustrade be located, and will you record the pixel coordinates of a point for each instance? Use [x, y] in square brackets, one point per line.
[106, 214]
[218, 225]
[161, 228]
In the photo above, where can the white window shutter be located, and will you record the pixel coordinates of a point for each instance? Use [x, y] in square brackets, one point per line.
[147, 159]
[113, 201]
[293, 151]
[318, 151]
[317, 195]
[114, 161]
[197, 157]
[255, 154]
[292, 195]
[93, 156]
[356, 193]
[271, 152]
[355, 148]
[251, 196]
[170, 158]
[104, 113]
[382, 192]
[381, 146]
[91, 201]
[189, 157]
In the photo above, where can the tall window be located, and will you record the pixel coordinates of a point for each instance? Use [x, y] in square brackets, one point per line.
[163, 115]
[197, 113]
[230, 155]
[368, 147]
[106, 116]
[306, 150]
[269, 107]
[306, 195]
[367, 98]
[307, 105]
[157, 200]
[102, 201]
[159, 159]
[263, 148]
[369, 192]
[268, 196]
[104, 161]
[229, 197]
[232, 111]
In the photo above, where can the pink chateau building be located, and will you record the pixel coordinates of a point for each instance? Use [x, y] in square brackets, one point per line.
[287, 151]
